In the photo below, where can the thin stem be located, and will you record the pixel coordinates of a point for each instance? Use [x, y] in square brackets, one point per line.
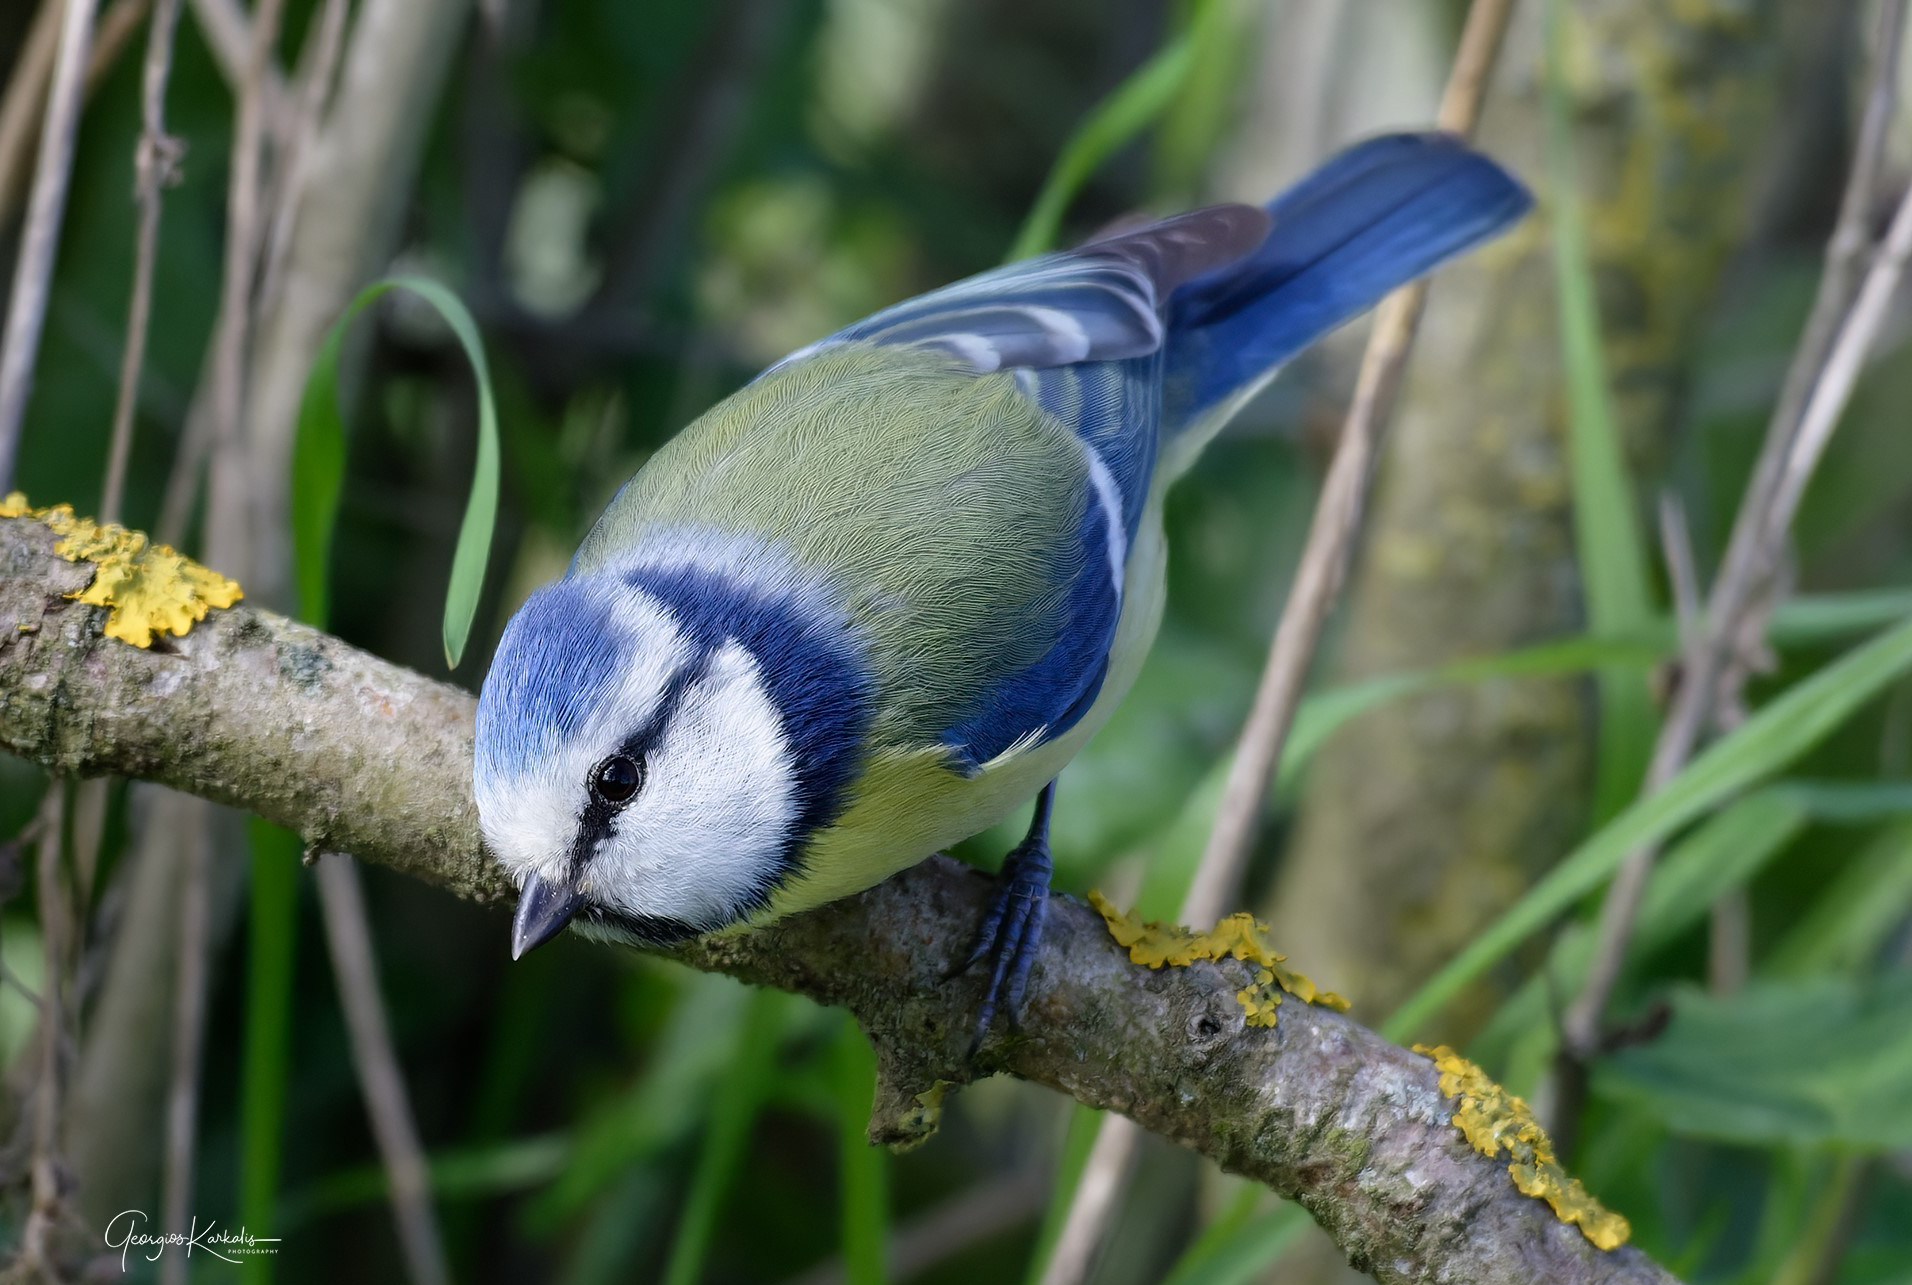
[319, 55]
[1729, 932]
[23, 109]
[40, 241]
[230, 517]
[24, 101]
[155, 168]
[1337, 519]
[228, 33]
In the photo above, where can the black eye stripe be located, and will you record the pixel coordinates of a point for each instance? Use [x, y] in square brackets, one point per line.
[596, 819]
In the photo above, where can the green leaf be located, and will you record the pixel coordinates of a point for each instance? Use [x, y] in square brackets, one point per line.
[1607, 540]
[1177, 849]
[1721, 854]
[1194, 127]
[1786, 728]
[1812, 618]
[1177, 846]
[318, 463]
[1816, 1063]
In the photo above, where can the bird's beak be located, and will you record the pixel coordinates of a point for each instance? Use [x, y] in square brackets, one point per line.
[543, 911]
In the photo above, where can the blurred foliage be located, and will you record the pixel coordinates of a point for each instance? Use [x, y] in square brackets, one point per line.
[641, 205]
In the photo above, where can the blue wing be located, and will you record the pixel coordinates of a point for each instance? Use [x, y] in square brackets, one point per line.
[1083, 332]
[1145, 332]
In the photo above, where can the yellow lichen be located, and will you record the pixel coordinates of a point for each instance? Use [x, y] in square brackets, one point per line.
[1237, 937]
[148, 588]
[1495, 1122]
[921, 1121]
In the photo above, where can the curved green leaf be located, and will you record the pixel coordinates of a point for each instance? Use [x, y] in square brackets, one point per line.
[318, 464]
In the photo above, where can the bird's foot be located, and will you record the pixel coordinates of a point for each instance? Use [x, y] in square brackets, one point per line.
[1010, 932]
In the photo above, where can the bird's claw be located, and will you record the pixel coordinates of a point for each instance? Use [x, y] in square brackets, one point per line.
[1010, 933]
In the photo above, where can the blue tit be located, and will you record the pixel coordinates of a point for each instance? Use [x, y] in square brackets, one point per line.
[879, 597]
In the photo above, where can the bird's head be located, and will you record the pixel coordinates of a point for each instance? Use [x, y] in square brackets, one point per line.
[652, 749]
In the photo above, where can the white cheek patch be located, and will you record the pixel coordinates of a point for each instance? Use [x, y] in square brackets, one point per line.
[705, 835]
[530, 818]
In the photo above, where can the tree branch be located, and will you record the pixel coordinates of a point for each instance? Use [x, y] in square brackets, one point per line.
[361, 756]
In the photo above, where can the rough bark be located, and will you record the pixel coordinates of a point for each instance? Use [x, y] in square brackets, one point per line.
[362, 756]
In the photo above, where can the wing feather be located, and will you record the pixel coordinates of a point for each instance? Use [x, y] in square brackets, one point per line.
[1102, 301]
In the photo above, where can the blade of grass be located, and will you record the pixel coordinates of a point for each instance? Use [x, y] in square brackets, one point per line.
[733, 1112]
[1177, 851]
[1136, 103]
[1791, 724]
[863, 1169]
[1191, 130]
[272, 931]
[1722, 853]
[1177, 847]
[1607, 539]
[318, 463]
[1811, 618]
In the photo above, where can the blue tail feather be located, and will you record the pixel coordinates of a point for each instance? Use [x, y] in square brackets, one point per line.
[1375, 217]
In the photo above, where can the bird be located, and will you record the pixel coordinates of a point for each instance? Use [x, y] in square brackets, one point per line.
[877, 599]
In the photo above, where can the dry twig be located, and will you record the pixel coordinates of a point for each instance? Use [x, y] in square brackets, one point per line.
[24, 102]
[318, 72]
[229, 34]
[40, 240]
[155, 168]
[228, 520]
[22, 110]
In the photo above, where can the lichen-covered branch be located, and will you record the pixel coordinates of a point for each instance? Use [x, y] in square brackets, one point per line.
[361, 756]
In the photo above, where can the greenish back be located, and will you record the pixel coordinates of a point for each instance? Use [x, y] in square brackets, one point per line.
[941, 508]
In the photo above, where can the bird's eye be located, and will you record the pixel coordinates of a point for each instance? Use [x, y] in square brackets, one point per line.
[617, 780]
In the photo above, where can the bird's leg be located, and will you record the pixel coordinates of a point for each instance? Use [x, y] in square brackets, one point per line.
[1012, 925]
